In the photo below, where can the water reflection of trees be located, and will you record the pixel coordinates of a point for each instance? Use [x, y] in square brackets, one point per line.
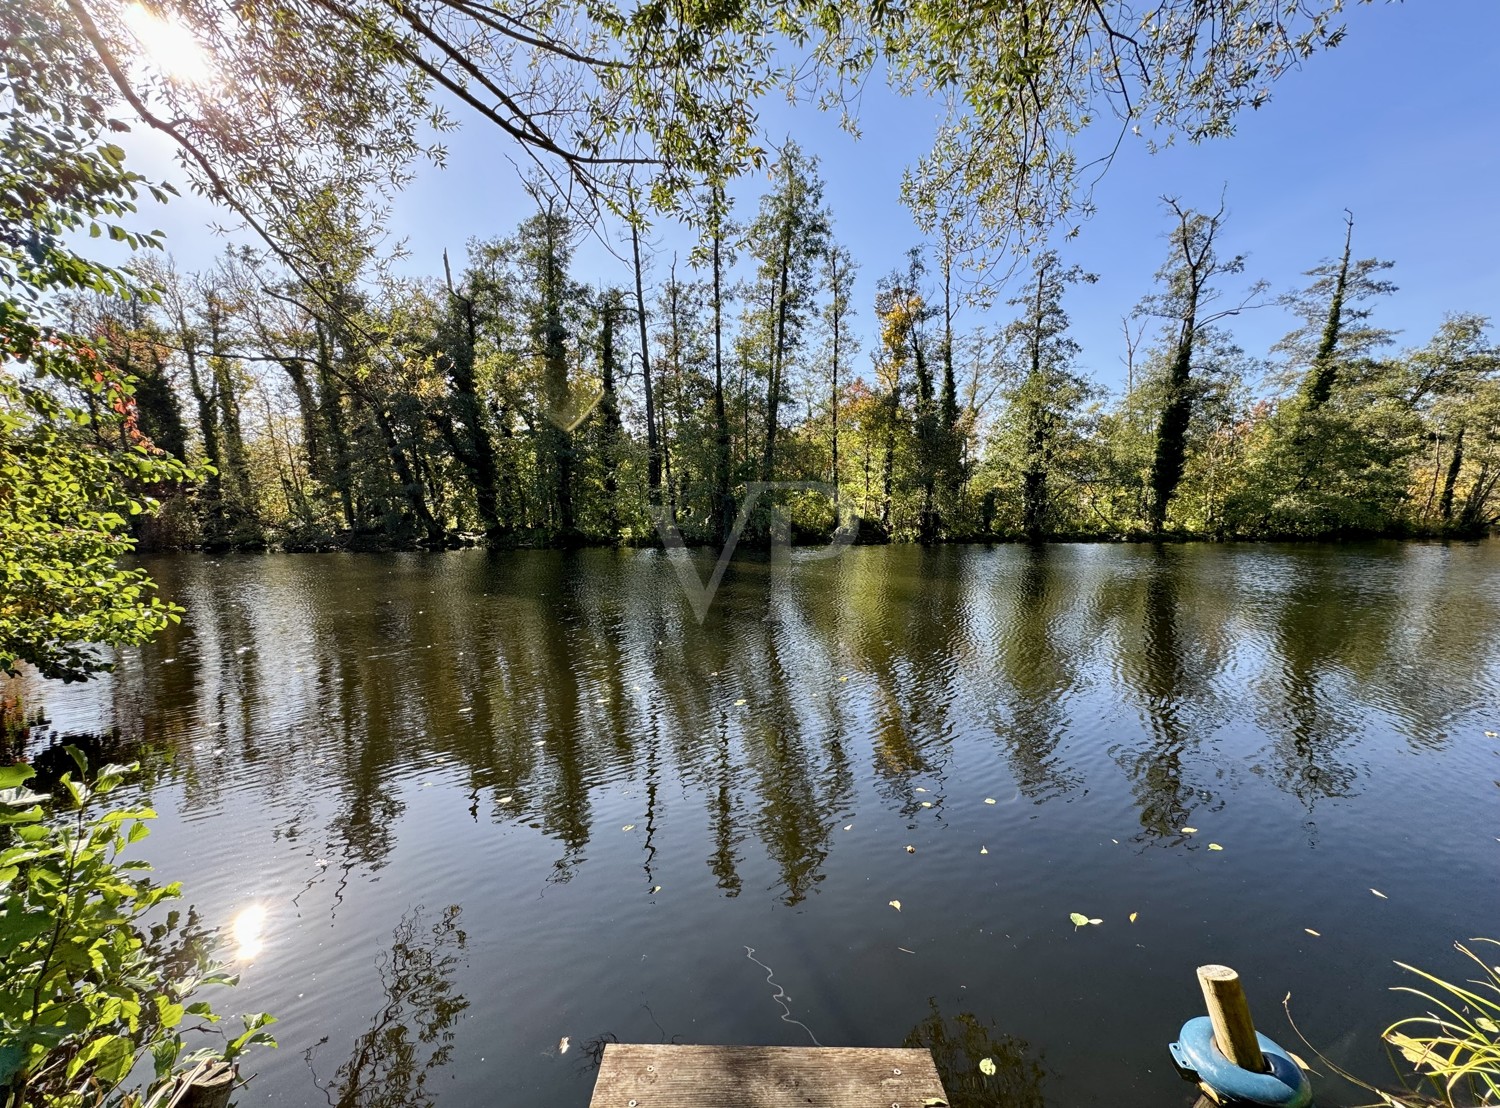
[1169, 645]
[412, 1035]
[960, 1042]
[1038, 661]
[541, 678]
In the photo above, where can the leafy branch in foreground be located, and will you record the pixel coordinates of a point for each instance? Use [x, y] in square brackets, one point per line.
[90, 985]
[74, 461]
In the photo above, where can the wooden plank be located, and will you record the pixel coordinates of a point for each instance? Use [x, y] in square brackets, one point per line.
[655, 1076]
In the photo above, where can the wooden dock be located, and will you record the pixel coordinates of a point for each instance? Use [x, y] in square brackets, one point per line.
[656, 1076]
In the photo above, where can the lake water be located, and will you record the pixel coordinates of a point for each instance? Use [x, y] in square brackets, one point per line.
[492, 802]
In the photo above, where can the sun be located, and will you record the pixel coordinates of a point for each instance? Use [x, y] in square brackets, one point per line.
[169, 46]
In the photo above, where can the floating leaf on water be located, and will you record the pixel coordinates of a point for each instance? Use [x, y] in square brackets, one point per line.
[1115, 841]
[739, 703]
[896, 904]
[1487, 734]
[927, 804]
[934, 1102]
[1380, 894]
[984, 850]
[628, 827]
[656, 888]
[910, 849]
[1315, 934]
[562, 1045]
[1189, 830]
[506, 799]
[848, 827]
[905, 950]
[987, 1067]
[1133, 915]
[989, 800]
[920, 789]
[843, 678]
[1214, 846]
[1078, 918]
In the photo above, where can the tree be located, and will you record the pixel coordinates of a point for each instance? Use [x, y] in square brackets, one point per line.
[1185, 300]
[787, 240]
[463, 424]
[839, 268]
[1330, 458]
[719, 227]
[1046, 396]
[1334, 335]
[1451, 382]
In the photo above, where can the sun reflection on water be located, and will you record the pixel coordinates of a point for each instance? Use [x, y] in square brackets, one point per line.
[248, 930]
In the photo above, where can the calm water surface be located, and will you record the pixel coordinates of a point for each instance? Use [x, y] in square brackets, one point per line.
[493, 801]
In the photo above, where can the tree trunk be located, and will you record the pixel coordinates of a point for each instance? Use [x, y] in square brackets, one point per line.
[558, 436]
[1171, 430]
[833, 393]
[723, 504]
[609, 417]
[1034, 475]
[778, 357]
[331, 405]
[653, 447]
[888, 467]
[411, 485]
[1319, 384]
[1445, 504]
[473, 447]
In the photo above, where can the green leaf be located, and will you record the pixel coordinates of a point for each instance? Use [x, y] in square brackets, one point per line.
[19, 797]
[987, 1067]
[80, 792]
[168, 1013]
[1079, 919]
[108, 1058]
[12, 776]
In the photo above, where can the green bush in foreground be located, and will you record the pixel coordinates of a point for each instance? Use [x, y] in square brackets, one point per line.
[89, 987]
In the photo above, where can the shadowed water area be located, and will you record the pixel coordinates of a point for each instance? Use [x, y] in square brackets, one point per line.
[492, 800]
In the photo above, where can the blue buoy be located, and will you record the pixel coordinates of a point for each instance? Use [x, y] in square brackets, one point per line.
[1199, 1059]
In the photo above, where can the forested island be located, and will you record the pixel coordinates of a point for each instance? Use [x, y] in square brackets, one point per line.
[505, 402]
[335, 400]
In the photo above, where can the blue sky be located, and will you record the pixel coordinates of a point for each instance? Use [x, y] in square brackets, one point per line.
[1399, 124]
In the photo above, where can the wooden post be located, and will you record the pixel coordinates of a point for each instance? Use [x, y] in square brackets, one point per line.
[208, 1087]
[1234, 1033]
